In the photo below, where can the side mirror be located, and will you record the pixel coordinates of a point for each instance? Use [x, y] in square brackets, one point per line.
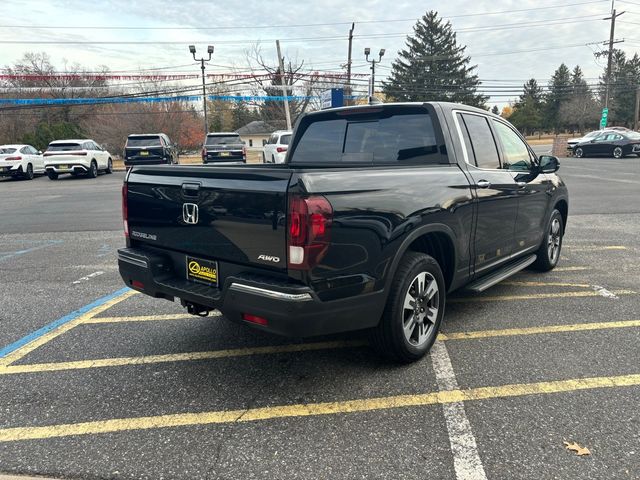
[549, 164]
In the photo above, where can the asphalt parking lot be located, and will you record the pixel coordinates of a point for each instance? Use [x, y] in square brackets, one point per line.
[97, 381]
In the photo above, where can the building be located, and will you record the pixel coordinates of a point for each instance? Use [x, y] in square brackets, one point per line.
[254, 133]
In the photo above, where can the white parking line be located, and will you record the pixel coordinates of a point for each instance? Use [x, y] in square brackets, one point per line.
[88, 277]
[466, 459]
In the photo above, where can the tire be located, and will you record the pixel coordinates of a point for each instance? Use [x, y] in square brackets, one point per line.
[52, 175]
[28, 175]
[398, 336]
[264, 159]
[109, 166]
[273, 159]
[549, 252]
[93, 170]
[617, 152]
[579, 152]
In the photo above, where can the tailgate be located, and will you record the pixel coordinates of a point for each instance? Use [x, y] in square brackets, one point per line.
[227, 213]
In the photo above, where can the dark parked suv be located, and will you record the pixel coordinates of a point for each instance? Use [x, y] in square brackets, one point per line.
[149, 149]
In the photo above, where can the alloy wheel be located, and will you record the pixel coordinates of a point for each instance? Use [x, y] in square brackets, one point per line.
[553, 244]
[420, 309]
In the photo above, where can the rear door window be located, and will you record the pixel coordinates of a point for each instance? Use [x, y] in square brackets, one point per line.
[381, 136]
[484, 150]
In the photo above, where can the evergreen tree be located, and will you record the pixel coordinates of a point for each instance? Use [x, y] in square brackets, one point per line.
[560, 89]
[579, 109]
[527, 114]
[625, 76]
[433, 67]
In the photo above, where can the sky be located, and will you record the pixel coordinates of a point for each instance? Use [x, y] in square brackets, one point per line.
[507, 44]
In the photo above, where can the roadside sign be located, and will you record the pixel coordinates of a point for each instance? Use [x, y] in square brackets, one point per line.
[603, 119]
[332, 98]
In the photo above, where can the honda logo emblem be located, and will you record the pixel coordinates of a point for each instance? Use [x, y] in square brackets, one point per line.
[190, 213]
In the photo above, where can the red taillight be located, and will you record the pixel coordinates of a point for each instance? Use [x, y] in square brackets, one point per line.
[255, 319]
[137, 284]
[125, 211]
[13, 158]
[310, 221]
[81, 154]
[281, 149]
[51, 154]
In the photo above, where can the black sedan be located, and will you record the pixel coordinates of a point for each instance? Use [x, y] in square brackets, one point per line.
[609, 143]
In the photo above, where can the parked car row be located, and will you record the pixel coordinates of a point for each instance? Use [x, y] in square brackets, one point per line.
[614, 142]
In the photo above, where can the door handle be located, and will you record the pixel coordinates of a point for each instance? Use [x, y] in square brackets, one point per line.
[483, 184]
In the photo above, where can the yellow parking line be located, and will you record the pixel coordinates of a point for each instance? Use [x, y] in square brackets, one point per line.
[31, 346]
[315, 409]
[570, 269]
[575, 327]
[536, 296]
[177, 357]
[546, 284]
[148, 318]
[579, 248]
[304, 347]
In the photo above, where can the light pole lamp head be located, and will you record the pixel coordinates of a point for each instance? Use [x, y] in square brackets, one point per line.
[382, 50]
[192, 49]
[210, 49]
[367, 51]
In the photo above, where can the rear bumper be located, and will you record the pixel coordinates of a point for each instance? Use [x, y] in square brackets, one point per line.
[290, 309]
[70, 167]
[10, 170]
[132, 162]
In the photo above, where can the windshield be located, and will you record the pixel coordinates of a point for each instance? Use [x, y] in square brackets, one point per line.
[6, 150]
[633, 135]
[64, 147]
[146, 141]
[592, 134]
[222, 139]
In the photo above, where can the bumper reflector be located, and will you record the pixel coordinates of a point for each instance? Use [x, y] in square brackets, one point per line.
[254, 319]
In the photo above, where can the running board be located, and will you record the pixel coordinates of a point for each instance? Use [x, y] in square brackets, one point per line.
[490, 280]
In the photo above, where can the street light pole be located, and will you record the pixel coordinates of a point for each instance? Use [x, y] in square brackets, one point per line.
[192, 49]
[372, 82]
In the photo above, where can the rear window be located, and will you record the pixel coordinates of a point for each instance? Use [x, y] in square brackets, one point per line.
[374, 136]
[146, 141]
[222, 139]
[285, 139]
[5, 151]
[64, 147]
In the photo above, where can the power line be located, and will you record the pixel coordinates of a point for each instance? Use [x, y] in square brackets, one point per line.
[507, 26]
[302, 25]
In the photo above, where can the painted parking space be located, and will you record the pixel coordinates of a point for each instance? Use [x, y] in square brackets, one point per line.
[142, 390]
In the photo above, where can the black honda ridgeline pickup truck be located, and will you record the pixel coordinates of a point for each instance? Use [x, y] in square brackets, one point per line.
[377, 213]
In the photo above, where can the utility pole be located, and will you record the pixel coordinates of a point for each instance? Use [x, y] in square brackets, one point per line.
[372, 81]
[192, 49]
[613, 17]
[286, 93]
[353, 25]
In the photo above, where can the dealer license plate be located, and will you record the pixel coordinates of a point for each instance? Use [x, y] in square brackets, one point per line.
[202, 271]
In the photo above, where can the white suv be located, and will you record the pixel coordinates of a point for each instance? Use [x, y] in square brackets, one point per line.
[76, 157]
[275, 150]
[20, 161]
